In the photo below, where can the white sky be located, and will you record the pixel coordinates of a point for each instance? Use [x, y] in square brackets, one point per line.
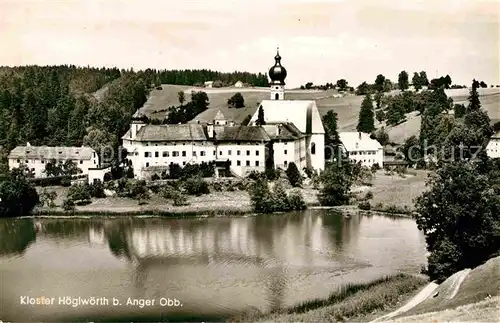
[319, 41]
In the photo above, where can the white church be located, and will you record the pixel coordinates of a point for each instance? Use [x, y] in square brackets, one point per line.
[293, 132]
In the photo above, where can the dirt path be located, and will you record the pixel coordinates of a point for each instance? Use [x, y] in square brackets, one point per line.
[427, 292]
[419, 298]
[456, 284]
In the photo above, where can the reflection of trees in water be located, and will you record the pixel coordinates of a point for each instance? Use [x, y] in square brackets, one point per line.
[16, 236]
[333, 220]
[69, 229]
[116, 234]
[343, 229]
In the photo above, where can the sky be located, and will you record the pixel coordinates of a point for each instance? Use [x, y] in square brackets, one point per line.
[320, 41]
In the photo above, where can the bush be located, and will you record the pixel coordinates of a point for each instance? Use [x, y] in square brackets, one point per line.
[368, 195]
[375, 167]
[196, 186]
[97, 190]
[296, 201]
[294, 176]
[365, 205]
[168, 192]
[180, 200]
[337, 181]
[277, 200]
[48, 198]
[155, 177]
[174, 171]
[310, 172]
[79, 193]
[255, 175]
[272, 174]
[68, 205]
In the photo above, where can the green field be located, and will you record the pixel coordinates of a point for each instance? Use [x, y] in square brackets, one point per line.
[346, 107]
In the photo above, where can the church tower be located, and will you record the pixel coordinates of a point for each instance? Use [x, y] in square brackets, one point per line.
[277, 73]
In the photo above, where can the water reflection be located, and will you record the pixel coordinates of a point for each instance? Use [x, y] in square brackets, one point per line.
[16, 236]
[217, 266]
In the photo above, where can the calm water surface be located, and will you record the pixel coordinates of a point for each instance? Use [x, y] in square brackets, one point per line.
[214, 267]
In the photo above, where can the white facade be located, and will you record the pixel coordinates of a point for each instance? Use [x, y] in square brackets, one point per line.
[292, 151]
[151, 155]
[160, 155]
[209, 84]
[277, 92]
[243, 158]
[361, 148]
[97, 174]
[304, 115]
[36, 158]
[238, 84]
[493, 147]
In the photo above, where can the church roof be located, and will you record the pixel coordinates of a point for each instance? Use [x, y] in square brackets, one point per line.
[356, 141]
[303, 114]
[277, 73]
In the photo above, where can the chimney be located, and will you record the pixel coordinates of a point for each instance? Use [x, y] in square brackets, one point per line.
[359, 134]
[210, 130]
[278, 128]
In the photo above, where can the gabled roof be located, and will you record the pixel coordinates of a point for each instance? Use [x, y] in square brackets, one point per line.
[303, 114]
[171, 132]
[283, 131]
[356, 141]
[241, 133]
[208, 116]
[219, 115]
[45, 152]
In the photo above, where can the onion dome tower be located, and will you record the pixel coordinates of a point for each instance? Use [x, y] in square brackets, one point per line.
[277, 73]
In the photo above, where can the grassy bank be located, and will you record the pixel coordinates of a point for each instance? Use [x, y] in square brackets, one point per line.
[152, 212]
[392, 192]
[351, 301]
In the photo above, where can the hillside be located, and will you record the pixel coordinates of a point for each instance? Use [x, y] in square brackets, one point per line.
[468, 295]
[347, 107]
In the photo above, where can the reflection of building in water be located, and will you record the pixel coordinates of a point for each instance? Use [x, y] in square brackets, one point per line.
[161, 241]
[287, 240]
[97, 236]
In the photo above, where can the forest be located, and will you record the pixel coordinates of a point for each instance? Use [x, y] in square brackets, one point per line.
[74, 106]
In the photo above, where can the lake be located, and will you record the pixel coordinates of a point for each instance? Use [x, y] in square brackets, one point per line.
[192, 269]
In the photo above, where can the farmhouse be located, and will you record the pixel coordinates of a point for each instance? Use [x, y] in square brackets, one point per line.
[493, 147]
[238, 84]
[293, 132]
[36, 158]
[209, 84]
[361, 148]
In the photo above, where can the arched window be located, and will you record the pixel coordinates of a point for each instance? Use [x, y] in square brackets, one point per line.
[313, 148]
[277, 96]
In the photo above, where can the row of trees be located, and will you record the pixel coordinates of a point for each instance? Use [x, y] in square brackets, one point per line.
[341, 85]
[198, 77]
[459, 213]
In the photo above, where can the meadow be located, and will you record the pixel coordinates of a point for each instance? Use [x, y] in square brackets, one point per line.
[346, 107]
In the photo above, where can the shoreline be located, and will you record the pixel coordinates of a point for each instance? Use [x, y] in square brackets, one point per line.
[347, 210]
